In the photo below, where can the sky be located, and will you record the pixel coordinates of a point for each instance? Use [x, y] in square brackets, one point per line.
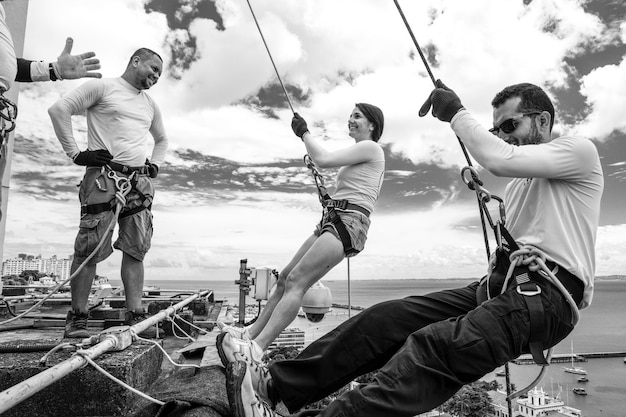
[234, 185]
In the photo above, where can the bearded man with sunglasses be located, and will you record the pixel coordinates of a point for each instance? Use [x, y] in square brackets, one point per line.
[427, 347]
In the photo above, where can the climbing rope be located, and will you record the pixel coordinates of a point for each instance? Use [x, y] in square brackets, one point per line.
[271, 59]
[124, 186]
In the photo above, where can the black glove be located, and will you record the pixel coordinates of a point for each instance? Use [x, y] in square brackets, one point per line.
[98, 158]
[153, 170]
[298, 125]
[445, 103]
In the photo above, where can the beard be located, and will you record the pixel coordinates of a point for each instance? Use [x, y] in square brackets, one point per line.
[533, 137]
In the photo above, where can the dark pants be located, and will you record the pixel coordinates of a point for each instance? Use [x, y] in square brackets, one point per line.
[426, 347]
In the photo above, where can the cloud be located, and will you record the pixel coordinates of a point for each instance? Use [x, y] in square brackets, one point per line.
[234, 186]
[604, 89]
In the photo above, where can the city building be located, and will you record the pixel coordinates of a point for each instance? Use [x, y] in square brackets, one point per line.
[537, 404]
[51, 266]
[291, 337]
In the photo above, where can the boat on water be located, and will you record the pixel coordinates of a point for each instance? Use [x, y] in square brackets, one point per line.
[574, 369]
[583, 379]
[579, 391]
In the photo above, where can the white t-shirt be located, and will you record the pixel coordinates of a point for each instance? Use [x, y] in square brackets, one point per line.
[8, 60]
[119, 117]
[553, 202]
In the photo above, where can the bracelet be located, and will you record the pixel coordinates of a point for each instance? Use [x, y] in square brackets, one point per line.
[53, 75]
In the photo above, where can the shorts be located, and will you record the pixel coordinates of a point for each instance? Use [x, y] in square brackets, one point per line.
[135, 231]
[357, 224]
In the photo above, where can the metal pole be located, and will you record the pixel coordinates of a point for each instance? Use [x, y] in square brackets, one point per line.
[23, 390]
[509, 400]
[270, 55]
[244, 289]
[349, 291]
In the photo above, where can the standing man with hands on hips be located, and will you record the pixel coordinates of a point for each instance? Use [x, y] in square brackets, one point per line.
[120, 114]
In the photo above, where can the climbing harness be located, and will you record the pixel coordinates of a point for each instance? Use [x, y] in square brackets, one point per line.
[510, 261]
[125, 183]
[8, 115]
[332, 206]
[123, 186]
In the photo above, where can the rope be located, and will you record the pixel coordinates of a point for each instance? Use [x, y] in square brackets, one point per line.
[90, 361]
[535, 260]
[271, 59]
[169, 358]
[406, 23]
[199, 329]
[124, 187]
[176, 326]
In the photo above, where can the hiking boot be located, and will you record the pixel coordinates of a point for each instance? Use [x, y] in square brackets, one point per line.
[132, 317]
[236, 331]
[76, 325]
[232, 349]
[243, 401]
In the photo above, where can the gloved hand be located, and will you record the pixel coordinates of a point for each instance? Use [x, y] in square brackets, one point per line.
[444, 101]
[97, 158]
[153, 170]
[298, 125]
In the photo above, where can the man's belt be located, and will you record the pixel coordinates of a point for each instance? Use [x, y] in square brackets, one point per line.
[124, 169]
[571, 282]
[344, 205]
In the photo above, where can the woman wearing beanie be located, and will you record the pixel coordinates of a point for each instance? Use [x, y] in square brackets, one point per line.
[341, 232]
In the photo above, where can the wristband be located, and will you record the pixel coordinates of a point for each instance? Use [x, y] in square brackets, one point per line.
[53, 75]
[39, 71]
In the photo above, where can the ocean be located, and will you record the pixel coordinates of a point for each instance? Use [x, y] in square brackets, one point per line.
[602, 328]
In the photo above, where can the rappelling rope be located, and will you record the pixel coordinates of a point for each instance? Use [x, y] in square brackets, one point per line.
[124, 186]
[270, 55]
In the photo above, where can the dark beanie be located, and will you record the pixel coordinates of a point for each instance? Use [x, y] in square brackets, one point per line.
[375, 116]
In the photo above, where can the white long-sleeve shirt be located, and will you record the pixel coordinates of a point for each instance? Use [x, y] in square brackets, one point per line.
[8, 61]
[119, 117]
[553, 202]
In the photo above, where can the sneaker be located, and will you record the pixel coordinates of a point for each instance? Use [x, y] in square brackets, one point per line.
[243, 401]
[232, 349]
[236, 331]
[76, 325]
[132, 317]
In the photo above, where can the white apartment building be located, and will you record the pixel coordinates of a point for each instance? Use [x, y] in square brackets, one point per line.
[50, 266]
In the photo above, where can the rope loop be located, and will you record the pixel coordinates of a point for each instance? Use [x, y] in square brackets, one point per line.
[123, 184]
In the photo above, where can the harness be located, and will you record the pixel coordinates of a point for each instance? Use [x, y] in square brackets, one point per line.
[129, 182]
[332, 206]
[511, 261]
[8, 115]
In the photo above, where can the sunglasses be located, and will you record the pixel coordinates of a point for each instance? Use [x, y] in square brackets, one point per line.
[509, 125]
